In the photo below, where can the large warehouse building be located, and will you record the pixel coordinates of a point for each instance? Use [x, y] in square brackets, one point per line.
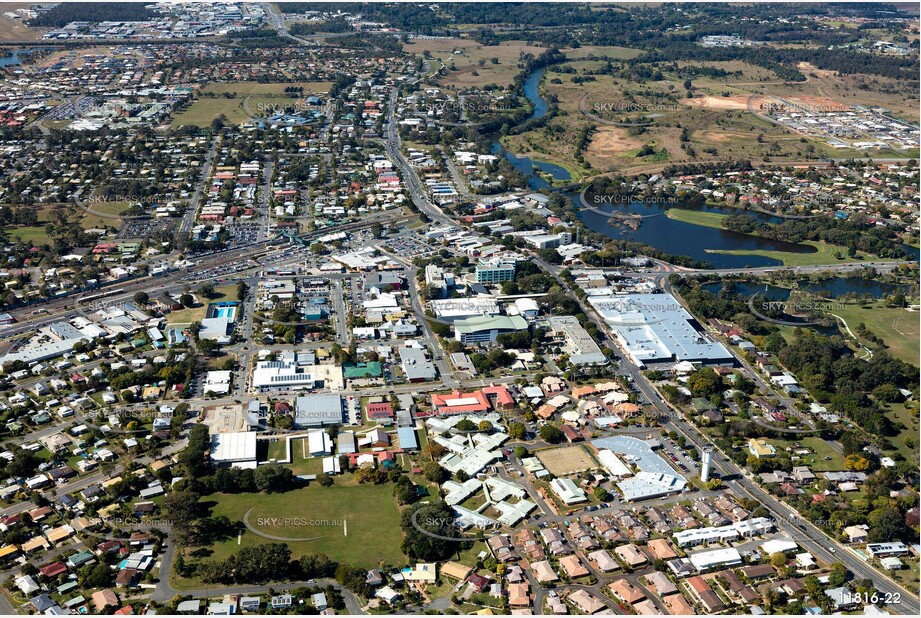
[655, 329]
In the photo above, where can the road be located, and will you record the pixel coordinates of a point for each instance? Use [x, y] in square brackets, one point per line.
[820, 545]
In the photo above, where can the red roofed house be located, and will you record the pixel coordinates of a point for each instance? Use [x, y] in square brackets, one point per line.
[54, 569]
[501, 398]
[456, 402]
[378, 411]
[571, 434]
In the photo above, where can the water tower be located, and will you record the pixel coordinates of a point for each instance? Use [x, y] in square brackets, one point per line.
[706, 460]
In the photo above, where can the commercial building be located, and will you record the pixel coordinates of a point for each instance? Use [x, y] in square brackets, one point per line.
[568, 491]
[494, 271]
[578, 344]
[283, 375]
[317, 410]
[416, 366]
[481, 329]
[295, 372]
[451, 309]
[236, 449]
[656, 329]
[655, 477]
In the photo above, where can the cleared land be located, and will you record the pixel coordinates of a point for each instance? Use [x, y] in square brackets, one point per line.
[371, 535]
[566, 460]
[16, 29]
[719, 125]
[823, 459]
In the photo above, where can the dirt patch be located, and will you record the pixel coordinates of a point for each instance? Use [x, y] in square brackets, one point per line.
[609, 141]
[721, 103]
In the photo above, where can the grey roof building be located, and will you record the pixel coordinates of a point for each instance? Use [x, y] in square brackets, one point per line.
[317, 410]
[416, 366]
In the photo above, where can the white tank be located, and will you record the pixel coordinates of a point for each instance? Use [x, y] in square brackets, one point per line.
[706, 460]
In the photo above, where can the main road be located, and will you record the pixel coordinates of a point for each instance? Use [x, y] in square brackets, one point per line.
[785, 517]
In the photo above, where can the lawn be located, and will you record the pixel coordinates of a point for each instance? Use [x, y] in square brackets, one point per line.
[197, 313]
[103, 214]
[30, 234]
[371, 534]
[905, 414]
[816, 461]
[262, 96]
[823, 254]
[898, 328]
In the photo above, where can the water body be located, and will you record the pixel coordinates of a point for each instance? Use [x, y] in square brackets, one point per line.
[668, 235]
[526, 165]
[680, 238]
[828, 288]
[15, 57]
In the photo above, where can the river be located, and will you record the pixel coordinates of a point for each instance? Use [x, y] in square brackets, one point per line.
[655, 229]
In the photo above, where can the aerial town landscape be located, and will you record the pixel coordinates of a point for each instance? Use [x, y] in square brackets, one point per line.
[459, 308]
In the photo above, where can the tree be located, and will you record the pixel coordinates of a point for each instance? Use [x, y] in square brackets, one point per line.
[141, 298]
[435, 473]
[317, 565]
[183, 510]
[326, 480]
[96, 576]
[551, 434]
[887, 393]
[207, 290]
[516, 431]
[778, 560]
[838, 575]
[432, 544]
[484, 425]
[603, 494]
[705, 382]
[856, 462]
[273, 477]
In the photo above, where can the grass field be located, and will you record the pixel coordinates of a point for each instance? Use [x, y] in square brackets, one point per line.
[462, 60]
[823, 254]
[104, 214]
[821, 449]
[898, 328]
[252, 96]
[371, 535]
[602, 51]
[905, 414]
